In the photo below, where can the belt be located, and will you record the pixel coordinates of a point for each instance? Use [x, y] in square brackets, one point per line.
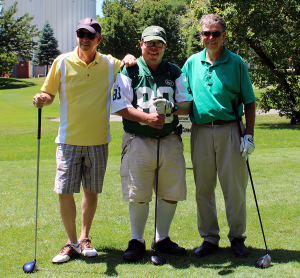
[221, 122]
[164, 135]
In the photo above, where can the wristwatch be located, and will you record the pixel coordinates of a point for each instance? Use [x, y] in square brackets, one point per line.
[174, 109]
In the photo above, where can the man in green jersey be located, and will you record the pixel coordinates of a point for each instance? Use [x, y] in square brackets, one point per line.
[217, 76]
[149, 96]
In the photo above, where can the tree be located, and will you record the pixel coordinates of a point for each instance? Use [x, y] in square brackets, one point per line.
[190, 34]
[46, 51]
[164, 13]
[119, 26]
[16, 38]
[266, 34]
[124, 21]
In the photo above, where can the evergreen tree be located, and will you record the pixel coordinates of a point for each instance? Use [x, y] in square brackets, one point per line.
[46, 51]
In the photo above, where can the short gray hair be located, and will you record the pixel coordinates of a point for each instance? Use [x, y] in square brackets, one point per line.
[213, 19]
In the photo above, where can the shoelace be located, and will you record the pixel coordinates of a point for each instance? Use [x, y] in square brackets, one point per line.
[66, 247]
[87, 243]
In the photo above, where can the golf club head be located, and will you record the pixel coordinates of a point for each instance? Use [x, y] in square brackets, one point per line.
[30, 267]
[263, 262]
[157, 259]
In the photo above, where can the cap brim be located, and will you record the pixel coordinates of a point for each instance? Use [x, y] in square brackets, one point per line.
[153, 38]
[89, 28]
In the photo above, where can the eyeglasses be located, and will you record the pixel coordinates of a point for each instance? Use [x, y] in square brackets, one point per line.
[155, 44]
[215, 34]
[81, 35]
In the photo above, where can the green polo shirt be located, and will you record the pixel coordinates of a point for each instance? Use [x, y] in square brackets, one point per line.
[214, 86]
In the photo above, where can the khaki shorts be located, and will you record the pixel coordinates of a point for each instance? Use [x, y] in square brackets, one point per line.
[77, 164]
[138, 168]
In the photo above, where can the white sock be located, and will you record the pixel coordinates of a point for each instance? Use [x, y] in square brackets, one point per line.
[165, 214]
[75, 244]
[76, 247]
[138, 217]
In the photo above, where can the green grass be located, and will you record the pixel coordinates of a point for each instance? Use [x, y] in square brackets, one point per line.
[274, 166]
[258, 92]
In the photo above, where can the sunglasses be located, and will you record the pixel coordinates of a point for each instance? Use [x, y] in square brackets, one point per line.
[215, 34]
[156, 44]
[81, 35]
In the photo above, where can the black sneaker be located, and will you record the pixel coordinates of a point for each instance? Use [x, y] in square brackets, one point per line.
[205, 249]
[239, 249]
[168, 247]
[135, 251]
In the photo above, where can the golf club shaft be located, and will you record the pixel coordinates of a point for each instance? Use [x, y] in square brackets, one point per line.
[37, 177]
[156, 187]
[247, 162]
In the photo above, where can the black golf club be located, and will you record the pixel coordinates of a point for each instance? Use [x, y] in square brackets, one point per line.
[264, 261]
[156, 258]
[31, 266]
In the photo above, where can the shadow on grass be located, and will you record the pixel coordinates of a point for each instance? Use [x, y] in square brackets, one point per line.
[12, 83]
[274, 126]
[222, 260]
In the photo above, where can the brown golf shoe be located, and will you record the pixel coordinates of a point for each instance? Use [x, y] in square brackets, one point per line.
[87, 249]
[67, 253]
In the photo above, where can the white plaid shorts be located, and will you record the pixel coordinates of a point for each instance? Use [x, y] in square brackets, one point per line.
[75, 164]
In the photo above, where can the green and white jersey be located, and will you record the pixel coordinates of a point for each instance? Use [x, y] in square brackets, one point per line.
[137, 86]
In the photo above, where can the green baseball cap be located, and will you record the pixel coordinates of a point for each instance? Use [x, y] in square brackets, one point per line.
[152, 33]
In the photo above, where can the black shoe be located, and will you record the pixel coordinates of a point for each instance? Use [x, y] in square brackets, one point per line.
[205, 249]
[135, 251]
[239, 249]
[168, 247]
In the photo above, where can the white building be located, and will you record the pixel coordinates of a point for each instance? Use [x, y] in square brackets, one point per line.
[63, 16]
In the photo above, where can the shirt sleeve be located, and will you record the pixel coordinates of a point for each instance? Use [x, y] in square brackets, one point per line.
[52, 82]
[116, 66]
[122, 94]
[181, 91]
[247, 93]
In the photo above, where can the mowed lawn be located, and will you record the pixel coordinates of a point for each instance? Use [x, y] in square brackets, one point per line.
[275, 170]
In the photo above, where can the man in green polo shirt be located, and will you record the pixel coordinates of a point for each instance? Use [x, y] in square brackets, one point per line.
[217, 76]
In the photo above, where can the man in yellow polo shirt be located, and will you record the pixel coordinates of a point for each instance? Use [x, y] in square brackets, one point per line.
[83, 78]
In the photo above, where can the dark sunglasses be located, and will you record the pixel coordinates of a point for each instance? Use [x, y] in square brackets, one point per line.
[81, 35]
[156, 44]
[215, 34]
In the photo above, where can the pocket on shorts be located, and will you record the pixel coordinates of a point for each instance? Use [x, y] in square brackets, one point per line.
[126, 142]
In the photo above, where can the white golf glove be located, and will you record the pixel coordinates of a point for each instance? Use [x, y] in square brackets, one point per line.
[247, 145]
[163, 106]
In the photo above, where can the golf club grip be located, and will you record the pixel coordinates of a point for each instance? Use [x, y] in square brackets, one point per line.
[237, 117]
[39, 123]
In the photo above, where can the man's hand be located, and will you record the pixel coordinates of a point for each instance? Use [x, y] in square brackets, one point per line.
[129, 60]
[43, 99]
[39, 100]
[155, 120]
[163, 106]
[247, 145]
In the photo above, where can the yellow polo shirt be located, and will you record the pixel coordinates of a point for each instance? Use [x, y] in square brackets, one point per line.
[84, 94]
